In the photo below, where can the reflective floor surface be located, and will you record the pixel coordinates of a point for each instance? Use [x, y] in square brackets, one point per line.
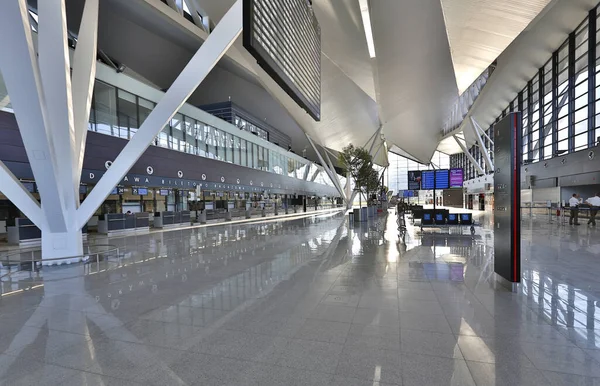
[310, 301]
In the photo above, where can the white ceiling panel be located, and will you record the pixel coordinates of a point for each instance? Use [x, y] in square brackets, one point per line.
[416, 80]
[479, 30]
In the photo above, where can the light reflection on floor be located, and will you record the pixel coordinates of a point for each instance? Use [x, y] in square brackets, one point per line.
[310, 301]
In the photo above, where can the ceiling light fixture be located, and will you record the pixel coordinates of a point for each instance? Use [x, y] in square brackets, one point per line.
[366, 18]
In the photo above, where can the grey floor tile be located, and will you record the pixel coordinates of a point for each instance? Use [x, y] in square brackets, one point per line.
[18, 371]
[410, 294]
[424, 322]
[370, 364]
[426, 307]
[379, 302]
[570, 360]
[323, 331]
[389, 318]
[310, 355]
[562, 379]
[351, 300]
[91, 379]
[490, 350]
[374, 330]
[495, 374]
[339, 380]
[270, 375]
[384, 341]
[333, 313]
[420, 370]
[429, 343]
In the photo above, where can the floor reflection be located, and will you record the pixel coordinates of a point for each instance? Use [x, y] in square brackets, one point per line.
[315, 300]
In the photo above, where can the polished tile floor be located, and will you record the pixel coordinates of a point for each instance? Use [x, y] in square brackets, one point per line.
[309, 301]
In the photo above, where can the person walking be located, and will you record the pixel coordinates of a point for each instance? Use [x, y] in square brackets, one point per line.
[594, 203]
[574, 206]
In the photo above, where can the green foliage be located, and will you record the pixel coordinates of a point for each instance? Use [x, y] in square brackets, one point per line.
[359, 164]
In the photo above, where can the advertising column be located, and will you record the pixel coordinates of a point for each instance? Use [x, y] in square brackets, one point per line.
[507, 197]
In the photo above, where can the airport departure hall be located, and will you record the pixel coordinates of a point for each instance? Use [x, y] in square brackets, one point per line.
[300, 192]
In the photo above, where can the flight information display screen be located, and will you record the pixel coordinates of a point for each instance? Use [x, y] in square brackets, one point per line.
[428, 180]
[284, 37]
[414, 180]
[442, 179]
[456, 178]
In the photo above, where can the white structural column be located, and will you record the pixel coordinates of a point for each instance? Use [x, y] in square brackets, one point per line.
[52, 111]
[55, 70]
[484, 151]
[207, 56]
[19, 66]
[332, 175]
[466, 151]
[336, 179]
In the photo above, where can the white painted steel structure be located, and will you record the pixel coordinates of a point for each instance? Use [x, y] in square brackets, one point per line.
[52, 110]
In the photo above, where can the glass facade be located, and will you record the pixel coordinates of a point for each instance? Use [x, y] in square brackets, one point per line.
[397, 171]
[559, 104]
[119, 113]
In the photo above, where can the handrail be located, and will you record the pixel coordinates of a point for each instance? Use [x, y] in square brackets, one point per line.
[35, 261]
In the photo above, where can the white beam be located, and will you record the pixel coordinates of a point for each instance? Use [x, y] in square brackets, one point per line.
[55, 71]
[12, 188]
[315, 174]
[466, 151]
[84, 74]
[484, 151]
[336, 179]
[207, 56]
[19, 67]
[333, 178]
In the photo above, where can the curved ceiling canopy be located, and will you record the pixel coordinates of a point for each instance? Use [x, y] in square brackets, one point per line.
[423, 53]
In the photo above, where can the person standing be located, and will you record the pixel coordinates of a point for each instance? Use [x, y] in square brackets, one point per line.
[594, 203]
[574, 206]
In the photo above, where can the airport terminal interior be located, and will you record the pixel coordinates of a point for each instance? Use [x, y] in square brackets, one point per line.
[299, 192]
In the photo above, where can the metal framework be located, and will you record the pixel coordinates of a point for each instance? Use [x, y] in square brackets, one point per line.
[468, 154]
[328, 168]
[52, 108]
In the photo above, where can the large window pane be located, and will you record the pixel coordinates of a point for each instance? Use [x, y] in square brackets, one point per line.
[229, 147]
[209, 138]
[105, 102]
[127, 113]
[178, 137]
[200, 139]
[145, 108]
[190, 135]
[236, 152]
[244, 153]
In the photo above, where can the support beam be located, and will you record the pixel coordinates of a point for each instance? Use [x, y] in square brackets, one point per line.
[315, 174]
[466, 151]
[334, 174]
[374, 137]
[333, 177]
[14, 190]
[82, 83]
[21, 73]
[306, 171]
[486, 155]
[207, 56]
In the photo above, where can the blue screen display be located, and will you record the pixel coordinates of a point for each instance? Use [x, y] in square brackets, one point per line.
[142, 191]
[426, 217]
[442, 179]
[465, 217]
[439, 217]
[451, 217]
[428, 180]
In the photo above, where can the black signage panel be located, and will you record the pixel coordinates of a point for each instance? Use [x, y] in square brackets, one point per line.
[507, 197]
[284, 37]
[414, 180]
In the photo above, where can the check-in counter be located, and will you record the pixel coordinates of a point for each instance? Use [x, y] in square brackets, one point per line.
[169, 219]
[23, 232]
[121, 223]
